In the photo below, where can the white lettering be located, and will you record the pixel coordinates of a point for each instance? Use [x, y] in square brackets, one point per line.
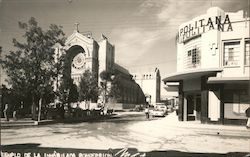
[124, 153]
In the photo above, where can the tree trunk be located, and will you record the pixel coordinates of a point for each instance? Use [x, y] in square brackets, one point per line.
[33, 108]
[39, 110]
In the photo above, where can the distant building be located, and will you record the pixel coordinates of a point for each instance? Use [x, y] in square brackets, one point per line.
[85, 53]
[213, 67]
[150, 82]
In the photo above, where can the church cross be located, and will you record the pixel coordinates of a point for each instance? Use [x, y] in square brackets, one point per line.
[77, 26]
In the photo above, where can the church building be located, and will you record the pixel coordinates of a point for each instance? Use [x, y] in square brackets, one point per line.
[85, 53]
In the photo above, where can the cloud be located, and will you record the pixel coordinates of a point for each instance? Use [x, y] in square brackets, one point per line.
[157, 21]
[141, 38]
[132, 43]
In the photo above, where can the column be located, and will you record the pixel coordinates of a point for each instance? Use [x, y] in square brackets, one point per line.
[222, 104]
[204, 100]
[185, 109]
[181, 102]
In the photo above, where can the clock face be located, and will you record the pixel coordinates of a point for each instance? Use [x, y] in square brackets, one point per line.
[79, 61]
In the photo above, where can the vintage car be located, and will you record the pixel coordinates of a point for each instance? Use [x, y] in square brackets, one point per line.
[158, 113]
[160, 110]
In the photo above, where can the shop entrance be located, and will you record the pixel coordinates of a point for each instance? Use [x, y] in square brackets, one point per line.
[193, 106]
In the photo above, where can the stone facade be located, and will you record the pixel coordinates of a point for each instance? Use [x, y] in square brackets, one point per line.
[85, 53]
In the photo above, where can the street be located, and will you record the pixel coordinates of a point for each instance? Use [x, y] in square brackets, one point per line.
[133, 130]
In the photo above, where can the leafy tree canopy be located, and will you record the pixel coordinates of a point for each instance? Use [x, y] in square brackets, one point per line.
[88, 88]
[113, 90]
[31, 67]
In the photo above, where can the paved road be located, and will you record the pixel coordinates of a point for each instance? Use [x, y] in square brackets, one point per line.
[132, 130]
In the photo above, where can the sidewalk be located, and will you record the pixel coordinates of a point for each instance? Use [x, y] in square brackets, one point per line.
[127, 113]
[209, 129]
[23, 122]
[188, 136]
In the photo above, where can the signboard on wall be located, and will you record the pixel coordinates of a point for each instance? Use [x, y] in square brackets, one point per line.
[203, 25]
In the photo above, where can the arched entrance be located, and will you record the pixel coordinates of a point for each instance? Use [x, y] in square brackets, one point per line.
[76, 62]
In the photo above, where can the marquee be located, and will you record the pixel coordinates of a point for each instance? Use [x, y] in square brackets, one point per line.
[203, 25]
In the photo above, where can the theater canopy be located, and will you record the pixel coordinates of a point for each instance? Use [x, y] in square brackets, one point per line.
[189, 74]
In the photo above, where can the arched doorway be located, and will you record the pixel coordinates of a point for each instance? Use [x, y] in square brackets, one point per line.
[76, 62]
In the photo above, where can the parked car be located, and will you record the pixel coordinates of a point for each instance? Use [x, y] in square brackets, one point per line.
[160, 110]
[161, 107]
[158, 113]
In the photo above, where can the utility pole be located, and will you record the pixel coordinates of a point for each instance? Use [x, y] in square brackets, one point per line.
[1, 67]
[1, 87]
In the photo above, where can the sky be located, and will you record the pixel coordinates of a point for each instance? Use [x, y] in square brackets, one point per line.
[143, 31]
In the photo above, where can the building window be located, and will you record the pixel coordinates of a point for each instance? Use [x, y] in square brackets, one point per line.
[195, 57]
[192, 58]
[241, 102]
[231, 53]
[247, 52]
[236, 101]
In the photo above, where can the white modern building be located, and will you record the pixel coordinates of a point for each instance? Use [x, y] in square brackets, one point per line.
[213, 67]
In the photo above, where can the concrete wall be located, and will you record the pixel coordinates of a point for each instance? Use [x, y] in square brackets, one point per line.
[106, 55]
[213, 106]
[150, 83]
[192, 85]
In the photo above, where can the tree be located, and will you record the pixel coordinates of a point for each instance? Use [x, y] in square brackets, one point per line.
[115, 91]
[73, 93]
[110, 85]
[105, 78]
[88, 88]
[31, 67]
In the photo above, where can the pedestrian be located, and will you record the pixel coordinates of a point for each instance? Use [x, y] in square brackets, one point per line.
[177, 110]
[147, 112]
[62, 111]
[6, 112]
[15, 110]
[248, 117]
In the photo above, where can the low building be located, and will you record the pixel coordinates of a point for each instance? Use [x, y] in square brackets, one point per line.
[213, 67]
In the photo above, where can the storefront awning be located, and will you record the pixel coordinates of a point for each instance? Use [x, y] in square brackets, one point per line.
[217, 80]
[175, 77]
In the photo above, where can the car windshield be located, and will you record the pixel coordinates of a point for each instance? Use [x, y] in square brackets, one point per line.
[158, 109]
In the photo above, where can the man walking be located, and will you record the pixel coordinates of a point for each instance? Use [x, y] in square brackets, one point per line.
[147, 112]
[6, 112]
[15, 110]
[248, 117]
